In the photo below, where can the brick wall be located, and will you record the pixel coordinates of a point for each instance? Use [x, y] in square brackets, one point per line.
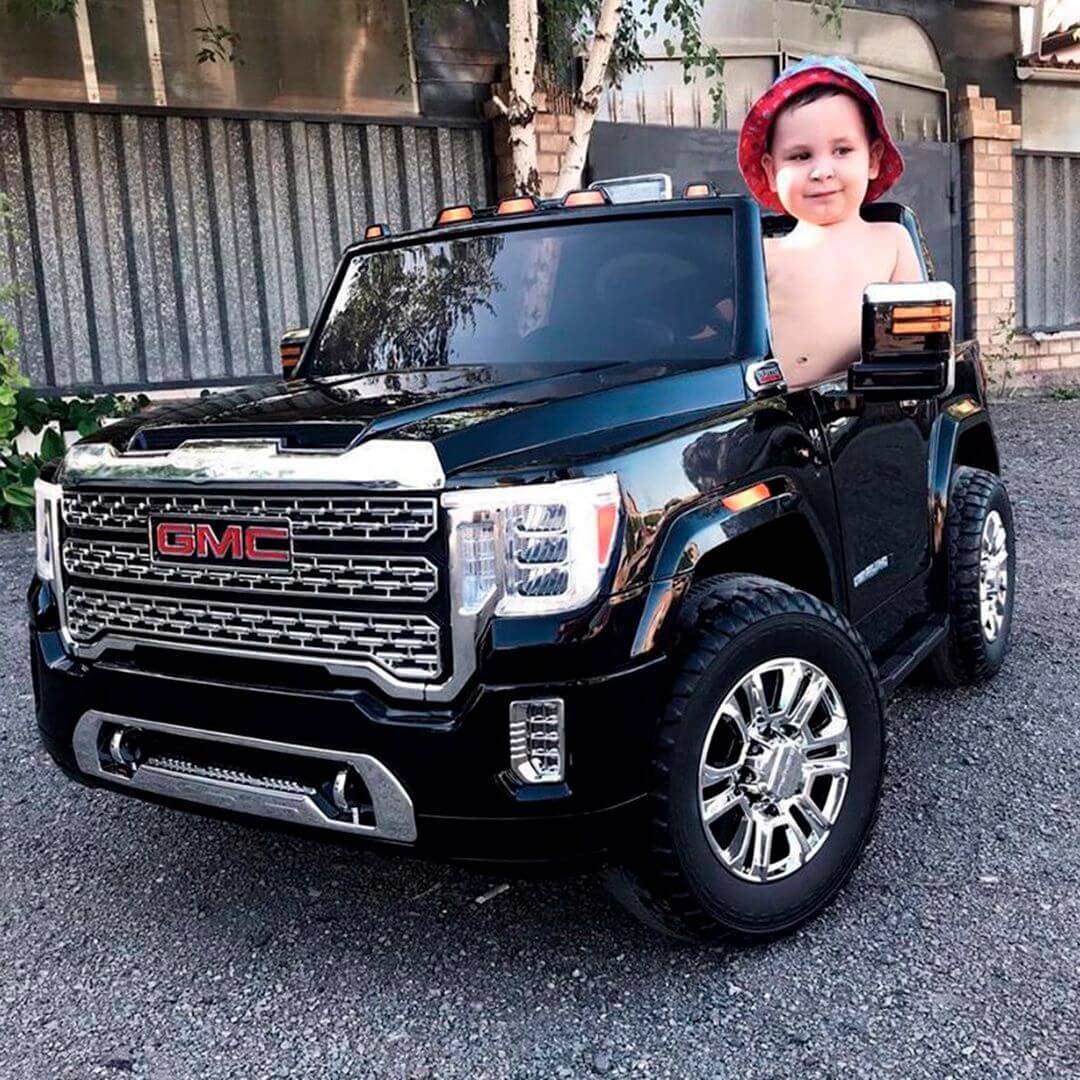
[554, 122]
[988, 136]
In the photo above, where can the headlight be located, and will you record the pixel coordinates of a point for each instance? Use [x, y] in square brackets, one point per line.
[46, 513]
[540, 549]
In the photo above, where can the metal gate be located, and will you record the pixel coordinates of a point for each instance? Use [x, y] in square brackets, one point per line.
[158, 249]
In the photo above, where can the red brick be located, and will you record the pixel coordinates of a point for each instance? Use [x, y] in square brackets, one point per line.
[555, 143]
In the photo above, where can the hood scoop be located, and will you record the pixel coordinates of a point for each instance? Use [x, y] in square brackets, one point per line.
[293, 435]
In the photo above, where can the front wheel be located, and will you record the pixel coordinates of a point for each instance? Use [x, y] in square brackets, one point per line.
[768, 766]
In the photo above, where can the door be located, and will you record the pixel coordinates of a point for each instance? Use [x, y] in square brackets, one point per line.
[879, 453]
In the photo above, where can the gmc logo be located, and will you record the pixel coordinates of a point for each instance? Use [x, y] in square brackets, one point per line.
[266, 544]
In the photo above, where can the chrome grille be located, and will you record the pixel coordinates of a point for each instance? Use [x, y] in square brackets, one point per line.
[362, 577]
[363, 588]
[408, 519]
[405, 645]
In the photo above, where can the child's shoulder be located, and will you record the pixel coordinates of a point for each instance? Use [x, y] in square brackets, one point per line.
[892, 239]
[889, 232]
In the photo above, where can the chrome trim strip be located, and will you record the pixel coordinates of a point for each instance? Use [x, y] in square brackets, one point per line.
[396, 464]
[360, 624]
[220, 577]
[395, 818]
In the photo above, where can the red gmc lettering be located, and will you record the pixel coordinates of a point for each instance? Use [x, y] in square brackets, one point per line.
[255, 533]
[207, 542]
[175, 538]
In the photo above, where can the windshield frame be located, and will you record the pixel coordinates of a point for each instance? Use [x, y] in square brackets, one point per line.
[750, 337]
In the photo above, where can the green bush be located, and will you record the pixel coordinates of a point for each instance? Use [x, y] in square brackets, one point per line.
[23, 409]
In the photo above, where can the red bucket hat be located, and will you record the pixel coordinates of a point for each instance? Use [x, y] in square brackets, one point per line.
[812, 71]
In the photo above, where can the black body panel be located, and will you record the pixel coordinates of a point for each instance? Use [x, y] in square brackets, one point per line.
[849, 482]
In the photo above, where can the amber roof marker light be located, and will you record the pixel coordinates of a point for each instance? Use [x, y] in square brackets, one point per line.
[697, 190]
[586, 197]
[449, 214]
[516, 204]
[376, 232]
[743, 500]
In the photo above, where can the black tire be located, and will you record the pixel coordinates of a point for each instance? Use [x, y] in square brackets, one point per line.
[967, 655]
[674, 881]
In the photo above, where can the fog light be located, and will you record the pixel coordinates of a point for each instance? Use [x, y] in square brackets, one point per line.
[538, 740]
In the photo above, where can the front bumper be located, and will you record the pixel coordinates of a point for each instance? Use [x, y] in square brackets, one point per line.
[452, 764]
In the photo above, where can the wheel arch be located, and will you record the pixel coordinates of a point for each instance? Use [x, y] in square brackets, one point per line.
[977, 447]
[784, 546]
[956, 441]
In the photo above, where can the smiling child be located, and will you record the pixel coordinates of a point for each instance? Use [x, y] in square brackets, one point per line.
[816, 146]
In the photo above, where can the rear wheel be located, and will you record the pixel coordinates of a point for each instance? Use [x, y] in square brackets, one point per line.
[767, 770]
[981, 569]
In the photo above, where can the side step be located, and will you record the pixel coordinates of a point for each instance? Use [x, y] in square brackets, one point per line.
[896, 668]
[302, 785]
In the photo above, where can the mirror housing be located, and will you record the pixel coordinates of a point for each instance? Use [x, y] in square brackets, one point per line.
[292, 346]
[907, 342]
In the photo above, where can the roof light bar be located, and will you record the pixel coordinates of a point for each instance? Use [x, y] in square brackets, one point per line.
[698, 190]
[449, 214]
[516, 204]
[587, 197]
[375, 232]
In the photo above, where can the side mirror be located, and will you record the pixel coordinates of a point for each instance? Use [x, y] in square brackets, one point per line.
[292, 345]
[907, 342]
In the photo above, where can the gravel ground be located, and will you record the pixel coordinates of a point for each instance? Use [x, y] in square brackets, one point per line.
[141, 941]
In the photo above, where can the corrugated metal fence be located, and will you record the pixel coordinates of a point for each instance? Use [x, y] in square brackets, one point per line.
[1048, 241]
[162, 249]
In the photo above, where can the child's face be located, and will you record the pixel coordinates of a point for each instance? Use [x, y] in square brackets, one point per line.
[821, 161]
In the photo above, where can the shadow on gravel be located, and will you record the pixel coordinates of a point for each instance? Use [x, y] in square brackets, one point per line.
[198, 876]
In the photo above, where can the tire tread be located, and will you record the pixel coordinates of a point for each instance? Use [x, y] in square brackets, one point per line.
[714, 612]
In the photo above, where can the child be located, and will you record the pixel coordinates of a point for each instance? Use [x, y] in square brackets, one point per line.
[816, 145]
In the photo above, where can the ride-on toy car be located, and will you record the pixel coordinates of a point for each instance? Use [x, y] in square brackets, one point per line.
[534, 558]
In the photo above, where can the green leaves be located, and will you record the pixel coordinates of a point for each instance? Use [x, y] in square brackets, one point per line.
[17, 475]
[52, 445]
[18, 494]
[217, 41]
[41, 9]
[830, 13]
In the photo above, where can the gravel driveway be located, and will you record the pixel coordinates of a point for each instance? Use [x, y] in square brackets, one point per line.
[140, 941]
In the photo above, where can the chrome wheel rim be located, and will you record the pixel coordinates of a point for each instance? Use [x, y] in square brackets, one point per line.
[774, 770]
[993, 575]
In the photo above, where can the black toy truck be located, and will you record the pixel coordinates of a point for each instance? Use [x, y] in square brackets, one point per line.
[533, 558]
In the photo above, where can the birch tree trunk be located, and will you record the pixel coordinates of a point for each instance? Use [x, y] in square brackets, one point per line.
[519, 111]
[587, 98]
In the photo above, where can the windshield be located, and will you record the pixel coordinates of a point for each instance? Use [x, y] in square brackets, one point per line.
[566, 296]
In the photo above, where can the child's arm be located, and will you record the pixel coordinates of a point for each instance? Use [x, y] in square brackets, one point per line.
[907, 262]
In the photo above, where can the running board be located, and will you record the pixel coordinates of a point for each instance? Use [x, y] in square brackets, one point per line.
[302, 785]
[897, 667]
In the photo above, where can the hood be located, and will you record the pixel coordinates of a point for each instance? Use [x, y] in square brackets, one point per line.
[474, 415]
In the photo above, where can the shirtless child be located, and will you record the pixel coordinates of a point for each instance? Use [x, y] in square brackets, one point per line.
[816, 146]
